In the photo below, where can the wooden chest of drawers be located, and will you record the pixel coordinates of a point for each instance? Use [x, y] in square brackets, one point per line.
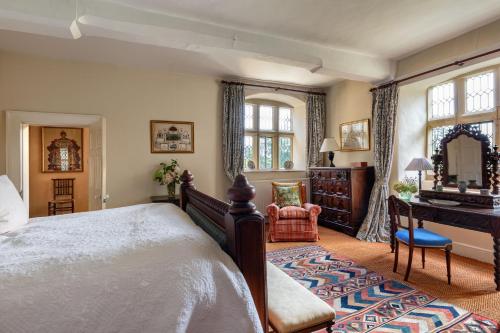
[343, 194]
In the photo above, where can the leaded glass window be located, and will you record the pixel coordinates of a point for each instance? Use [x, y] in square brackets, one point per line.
[480, 92]
[269, 137]
[486, 127]
[285, 119]
[248, 150]
[265, 152]
[442, 101]
[285, 150]
[265, 117]
[437, 134]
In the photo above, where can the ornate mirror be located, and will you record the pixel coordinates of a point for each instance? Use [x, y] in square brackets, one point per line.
[465, 155]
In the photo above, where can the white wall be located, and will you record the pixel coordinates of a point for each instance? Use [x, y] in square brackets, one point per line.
[128, 99]
[348, 101]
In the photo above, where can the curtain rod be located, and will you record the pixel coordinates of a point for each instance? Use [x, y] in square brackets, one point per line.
[276, 88]
[458, 63]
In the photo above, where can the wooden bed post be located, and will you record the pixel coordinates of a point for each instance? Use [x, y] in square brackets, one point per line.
[245, 230]
[186, 182]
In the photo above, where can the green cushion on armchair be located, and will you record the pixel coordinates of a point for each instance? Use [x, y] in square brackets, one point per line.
[288, 195]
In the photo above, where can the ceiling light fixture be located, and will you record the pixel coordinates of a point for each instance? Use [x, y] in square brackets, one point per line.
[315, 69]
[74, 28]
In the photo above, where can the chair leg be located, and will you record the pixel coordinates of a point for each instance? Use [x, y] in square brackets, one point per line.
[423, 257]
[410, 259]
[447, 250]
[396, 257]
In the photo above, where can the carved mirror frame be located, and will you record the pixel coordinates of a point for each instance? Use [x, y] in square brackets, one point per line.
[489, 157]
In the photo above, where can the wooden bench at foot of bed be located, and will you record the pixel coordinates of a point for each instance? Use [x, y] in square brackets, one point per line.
[293, 308]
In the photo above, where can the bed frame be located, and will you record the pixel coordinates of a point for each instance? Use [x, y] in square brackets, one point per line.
[238, 227]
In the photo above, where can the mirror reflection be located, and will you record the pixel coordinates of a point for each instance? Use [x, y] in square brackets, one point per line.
[464, 161]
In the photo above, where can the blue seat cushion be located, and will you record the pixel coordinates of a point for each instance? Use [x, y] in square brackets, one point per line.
[423, 237]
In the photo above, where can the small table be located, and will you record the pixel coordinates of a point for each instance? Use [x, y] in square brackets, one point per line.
[166, 199]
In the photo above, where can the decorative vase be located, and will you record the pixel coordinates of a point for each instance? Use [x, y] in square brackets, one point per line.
[171, 190]
[462, 186]
[405, 196]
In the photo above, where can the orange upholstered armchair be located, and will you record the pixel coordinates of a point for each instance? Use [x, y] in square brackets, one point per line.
[298, 222]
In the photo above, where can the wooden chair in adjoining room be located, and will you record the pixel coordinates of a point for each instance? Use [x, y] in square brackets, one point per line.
[63, 200]
[415, 238]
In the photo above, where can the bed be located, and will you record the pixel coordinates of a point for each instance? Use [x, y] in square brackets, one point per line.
[142, 268]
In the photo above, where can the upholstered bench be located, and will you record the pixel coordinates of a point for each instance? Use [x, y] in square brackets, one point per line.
[293, 308]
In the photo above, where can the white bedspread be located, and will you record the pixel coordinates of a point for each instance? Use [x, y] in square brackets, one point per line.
[144, 268]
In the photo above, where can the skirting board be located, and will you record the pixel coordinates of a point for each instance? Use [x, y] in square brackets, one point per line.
[474, 252]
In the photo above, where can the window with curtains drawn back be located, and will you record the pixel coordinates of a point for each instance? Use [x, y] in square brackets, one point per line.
[268, 141]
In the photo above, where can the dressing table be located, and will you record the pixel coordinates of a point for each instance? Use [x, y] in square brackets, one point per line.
[464, 154]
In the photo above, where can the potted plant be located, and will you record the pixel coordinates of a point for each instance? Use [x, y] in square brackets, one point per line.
[406, 188]
[168, 174]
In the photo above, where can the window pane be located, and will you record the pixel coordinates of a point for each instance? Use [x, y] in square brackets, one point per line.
[479, 92]
[437, 134]
[486, 128]
[285, 150]
[285, 119]
[248, 150]
[442, 101]
[265, 117]
[265, 152]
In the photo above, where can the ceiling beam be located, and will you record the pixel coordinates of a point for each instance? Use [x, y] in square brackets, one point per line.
[116, 21]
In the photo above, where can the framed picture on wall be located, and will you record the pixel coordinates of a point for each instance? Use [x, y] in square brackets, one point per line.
[62, 149]
[355, 135]
[172, 136]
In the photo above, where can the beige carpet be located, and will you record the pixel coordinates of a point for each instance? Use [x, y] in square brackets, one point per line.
[472, 286]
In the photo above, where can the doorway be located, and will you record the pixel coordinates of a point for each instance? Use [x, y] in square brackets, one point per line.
[18, 125]
[58, 155]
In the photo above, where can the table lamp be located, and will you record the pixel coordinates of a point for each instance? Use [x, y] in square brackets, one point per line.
[419, 164]
[329, 145]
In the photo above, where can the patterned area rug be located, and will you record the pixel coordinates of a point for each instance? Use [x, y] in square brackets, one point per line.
[366, 302]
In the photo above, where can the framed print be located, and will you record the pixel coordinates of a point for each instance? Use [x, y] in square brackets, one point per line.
[62, 149]
[172, 136]
[355, 135]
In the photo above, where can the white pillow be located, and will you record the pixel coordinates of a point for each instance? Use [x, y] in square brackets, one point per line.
[13, 211]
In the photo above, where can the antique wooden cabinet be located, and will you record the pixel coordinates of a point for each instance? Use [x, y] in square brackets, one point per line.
[343, 194]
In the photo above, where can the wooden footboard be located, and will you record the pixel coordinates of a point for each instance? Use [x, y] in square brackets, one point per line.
[243, 228]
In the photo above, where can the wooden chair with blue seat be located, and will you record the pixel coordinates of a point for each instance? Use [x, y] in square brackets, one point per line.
[415, 238]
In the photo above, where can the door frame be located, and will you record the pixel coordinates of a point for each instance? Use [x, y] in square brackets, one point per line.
[17, 163]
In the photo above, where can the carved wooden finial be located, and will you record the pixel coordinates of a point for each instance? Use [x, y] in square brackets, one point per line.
[241, 194]
[187, 179]
[187, 182]
[494, 170]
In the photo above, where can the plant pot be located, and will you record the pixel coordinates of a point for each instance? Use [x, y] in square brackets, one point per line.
[171, 190]
[405, 196]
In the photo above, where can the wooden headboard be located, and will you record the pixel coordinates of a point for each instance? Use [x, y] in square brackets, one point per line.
[244, 230]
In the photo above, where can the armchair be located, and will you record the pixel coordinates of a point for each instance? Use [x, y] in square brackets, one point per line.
[293, 223]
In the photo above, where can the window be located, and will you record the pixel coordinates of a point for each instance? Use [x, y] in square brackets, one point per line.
[442, 101]
[469, 99]
[480, 92]
[269, 136]
[486, 128]
[437, 134]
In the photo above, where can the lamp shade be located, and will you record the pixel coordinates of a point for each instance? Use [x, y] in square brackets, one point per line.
[419, 164]
[329, 144]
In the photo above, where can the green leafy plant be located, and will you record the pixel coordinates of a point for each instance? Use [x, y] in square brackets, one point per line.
[168, 173]
[408, 185]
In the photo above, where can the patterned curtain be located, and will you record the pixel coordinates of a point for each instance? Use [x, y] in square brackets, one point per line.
[233, 128]
[376, 226]
[316, 127]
